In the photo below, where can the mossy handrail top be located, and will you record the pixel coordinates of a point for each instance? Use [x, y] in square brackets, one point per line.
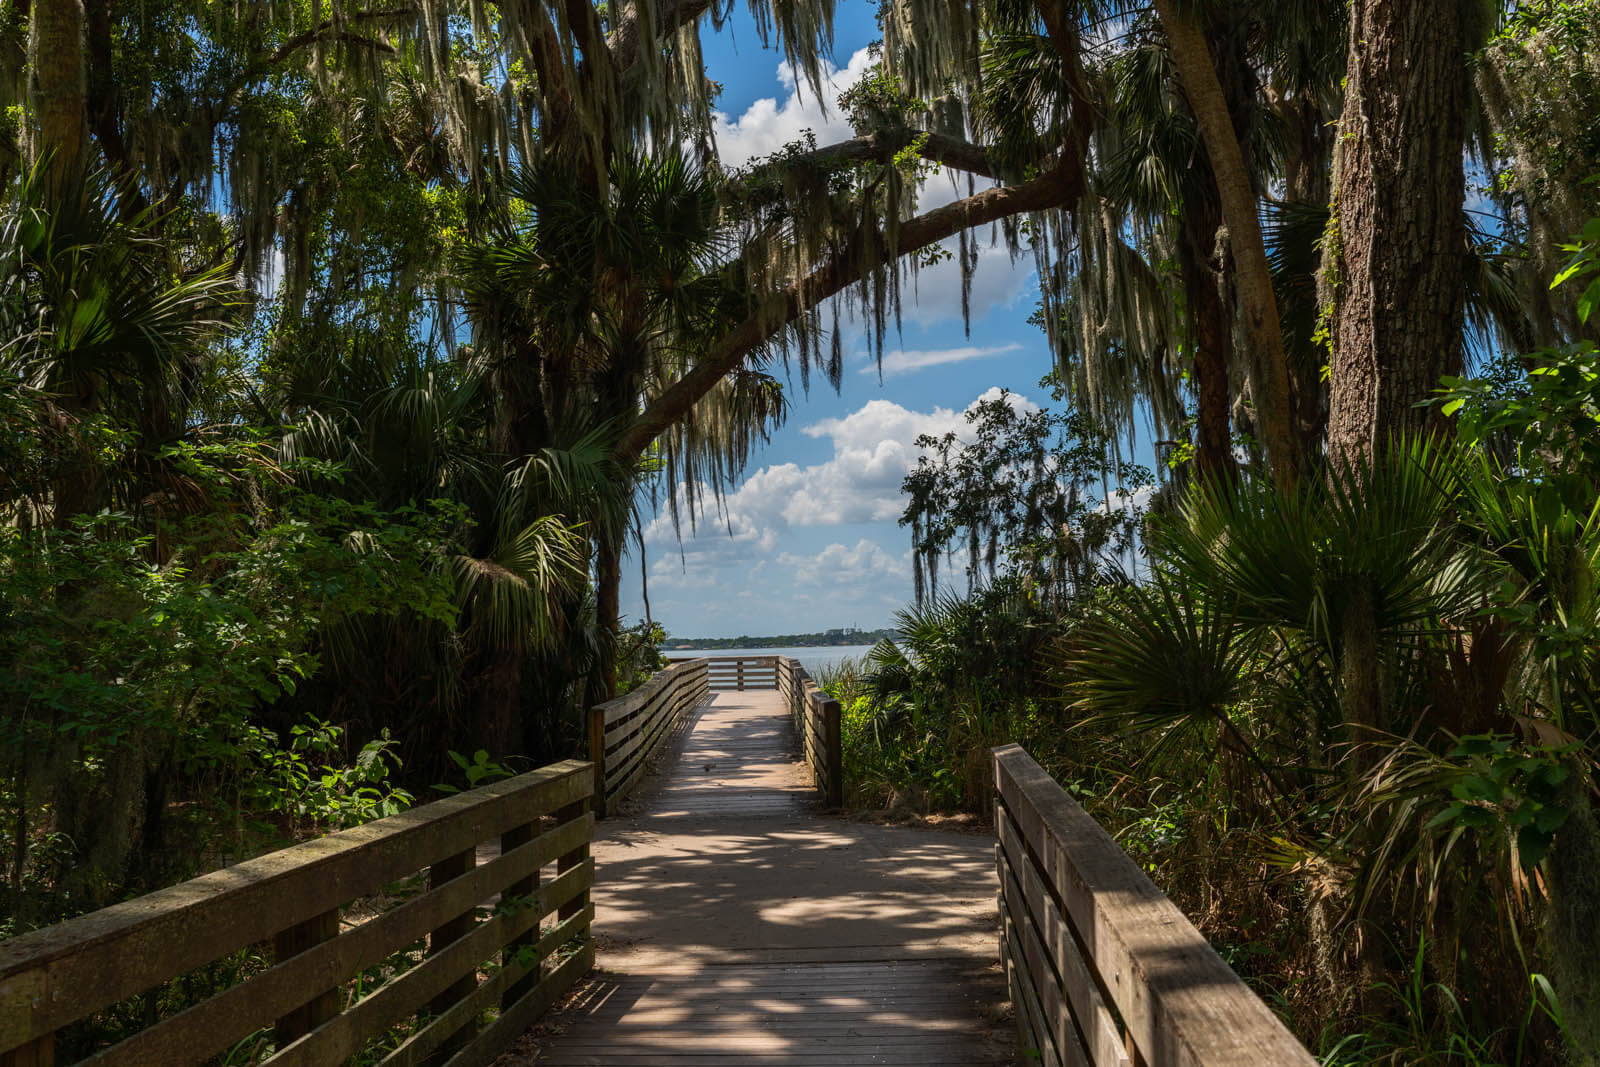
[291, 899]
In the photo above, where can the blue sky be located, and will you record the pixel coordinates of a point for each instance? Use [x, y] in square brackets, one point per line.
[814, 543]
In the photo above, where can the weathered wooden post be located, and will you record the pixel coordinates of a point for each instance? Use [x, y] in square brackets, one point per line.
[441, 937]
[597, 756]
[40, 1052]
[832, 749]
[524, 888]
[576, 858]
[325, 1005]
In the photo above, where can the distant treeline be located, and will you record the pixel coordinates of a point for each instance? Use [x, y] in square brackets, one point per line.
[821, 640]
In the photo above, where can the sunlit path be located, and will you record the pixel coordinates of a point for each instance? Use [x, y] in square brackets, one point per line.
[737, 926]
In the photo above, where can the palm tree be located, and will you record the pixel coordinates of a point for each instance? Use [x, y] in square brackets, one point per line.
[582, 306]
[100, 323]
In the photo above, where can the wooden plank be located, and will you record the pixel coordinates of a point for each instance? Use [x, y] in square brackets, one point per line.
[621, 743]
[1034, 1035]
[597, 756]
[1180, 1001]
[678, 673]
[347, 1033]
[629, 703]
[215, 1024]
[321, 1007]
[617, 737]
[576, 858]
[436, 1034]
[54, 976]
[512, 1024]
[626, 771]
[517, 894]
[630, 770]
[880, 1011]
[833, 753]
[1053, 1013]
[40, 1052]
[1094, 1019]
[458, 926]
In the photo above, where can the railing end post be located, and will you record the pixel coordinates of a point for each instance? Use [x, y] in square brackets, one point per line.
[833, 742]
[597, 756]
[39, 1052]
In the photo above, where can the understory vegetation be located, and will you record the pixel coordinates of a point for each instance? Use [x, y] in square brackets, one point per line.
[1352, 730]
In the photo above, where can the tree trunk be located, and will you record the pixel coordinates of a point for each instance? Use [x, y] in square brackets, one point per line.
[608, 606]
[1253, 281]
[59, 86]
[1574, 924]
[499, 726]
[1308, 145]
[100, 77]
[1398, 250]
[1213, 344]
[1210, 331]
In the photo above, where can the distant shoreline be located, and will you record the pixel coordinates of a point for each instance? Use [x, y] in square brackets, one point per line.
[831, 640]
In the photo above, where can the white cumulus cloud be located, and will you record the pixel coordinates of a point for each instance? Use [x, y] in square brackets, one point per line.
[768, 124]
[874, 448]
[901, 361]
[837, 565]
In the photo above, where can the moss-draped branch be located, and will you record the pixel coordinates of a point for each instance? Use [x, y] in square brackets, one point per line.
[1058, 186]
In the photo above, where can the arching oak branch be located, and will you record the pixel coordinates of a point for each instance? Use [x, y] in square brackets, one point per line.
[1059, 186]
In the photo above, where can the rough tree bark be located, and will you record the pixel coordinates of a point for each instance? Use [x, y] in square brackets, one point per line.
[59, 86]
[608, 607]
[1399, 248]
[1213, 341]
[1253, 281]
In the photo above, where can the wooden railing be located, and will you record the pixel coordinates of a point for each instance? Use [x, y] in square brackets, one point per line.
[816, 714]
[1103, 968]
[816, 723]
[624, 733]
[743, 672]
[292, 900]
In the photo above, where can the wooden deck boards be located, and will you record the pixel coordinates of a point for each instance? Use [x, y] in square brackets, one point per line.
[737, 927]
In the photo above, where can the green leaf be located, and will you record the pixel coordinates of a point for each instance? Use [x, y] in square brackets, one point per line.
[1550, 819]
[1587, 302]
[1448, 815]
[1563, 276]
[1532, 845]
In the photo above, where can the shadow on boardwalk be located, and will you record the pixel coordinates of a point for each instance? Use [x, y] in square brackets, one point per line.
[737, 926]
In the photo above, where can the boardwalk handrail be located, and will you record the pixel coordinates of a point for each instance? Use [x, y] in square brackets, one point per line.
[53, 977]
[624, 733]
[1103, 968]
[816, 714]
[817, 724]
[738, 673]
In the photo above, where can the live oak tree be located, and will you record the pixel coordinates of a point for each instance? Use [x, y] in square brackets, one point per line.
[1397, 235]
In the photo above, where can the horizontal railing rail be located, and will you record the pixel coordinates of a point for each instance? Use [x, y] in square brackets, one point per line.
[1103, 968]
[624, 733]
[817, 725]
[295, 899]
[816, 714]
[734, 673]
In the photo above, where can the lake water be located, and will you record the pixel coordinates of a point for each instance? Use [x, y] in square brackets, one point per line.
[813, 659]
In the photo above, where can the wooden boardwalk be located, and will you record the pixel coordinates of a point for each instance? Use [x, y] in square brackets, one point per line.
[736, 926]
